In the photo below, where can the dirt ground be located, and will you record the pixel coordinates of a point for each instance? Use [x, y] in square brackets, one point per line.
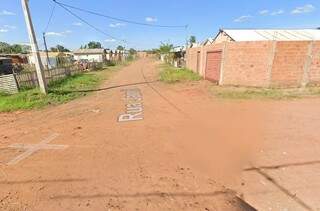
[190, 151]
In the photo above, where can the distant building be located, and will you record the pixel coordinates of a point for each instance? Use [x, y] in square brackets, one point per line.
[53, 60]
[16, 58]
[92, 55]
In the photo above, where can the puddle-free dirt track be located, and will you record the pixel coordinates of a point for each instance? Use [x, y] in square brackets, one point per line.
[188, 152]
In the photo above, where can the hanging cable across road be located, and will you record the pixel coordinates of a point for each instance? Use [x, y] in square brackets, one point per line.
[86, 22]
[119, 19]
[50, 18]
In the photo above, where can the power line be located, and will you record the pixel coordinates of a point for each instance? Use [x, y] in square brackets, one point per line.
[50, 18]
[120, 19]
[86, 22]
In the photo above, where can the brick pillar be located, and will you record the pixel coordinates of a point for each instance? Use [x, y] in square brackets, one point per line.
[270, 62]
[224, 57]
[307, 64]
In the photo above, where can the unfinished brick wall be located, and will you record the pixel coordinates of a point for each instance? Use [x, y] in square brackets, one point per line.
[247, 63]
[264, 63]
[289, 62]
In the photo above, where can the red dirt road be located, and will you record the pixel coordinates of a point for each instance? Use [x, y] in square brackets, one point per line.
[188, 147]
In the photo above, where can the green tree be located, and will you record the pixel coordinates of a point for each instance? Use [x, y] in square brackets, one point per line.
[132, 51]
[165, 48]
[192, 39]
[15, 48]
[93, 44]
[120, 48]
[5, 47]
[59, 48]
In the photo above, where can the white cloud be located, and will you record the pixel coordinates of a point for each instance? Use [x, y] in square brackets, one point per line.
[278, 12]
[116, 25]
[264, 12]
[54, 34]
[6, 12]
[243, 18]
[3, 30]
[151, 19]
[9, 27]
[110, 40]
[58, 34]
[304, 9]
[77, 24]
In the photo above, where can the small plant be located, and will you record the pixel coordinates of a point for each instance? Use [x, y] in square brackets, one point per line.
[171, 74]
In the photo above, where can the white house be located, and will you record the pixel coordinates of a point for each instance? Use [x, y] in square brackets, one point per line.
[51, 60]
[93, 55]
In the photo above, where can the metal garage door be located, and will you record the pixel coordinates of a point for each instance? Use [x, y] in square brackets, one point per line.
[213, 66]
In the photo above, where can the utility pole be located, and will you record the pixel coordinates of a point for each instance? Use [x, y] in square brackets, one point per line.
[46, 49]
[34, 47]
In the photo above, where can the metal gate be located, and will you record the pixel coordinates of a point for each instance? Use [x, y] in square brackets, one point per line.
[213, 66]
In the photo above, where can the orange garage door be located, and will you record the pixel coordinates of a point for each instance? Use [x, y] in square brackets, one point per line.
[213, 66]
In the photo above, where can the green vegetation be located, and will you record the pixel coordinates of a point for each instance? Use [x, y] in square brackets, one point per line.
[241, 93]
[15, 48]
[60, 91]
[171, 74]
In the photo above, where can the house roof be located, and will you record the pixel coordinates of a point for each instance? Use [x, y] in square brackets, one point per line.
[272, 34]
[89, 51]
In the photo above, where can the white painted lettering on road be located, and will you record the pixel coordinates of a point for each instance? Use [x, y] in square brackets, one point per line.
[134, 106]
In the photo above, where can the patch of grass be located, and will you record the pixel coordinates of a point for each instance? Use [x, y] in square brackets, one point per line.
[60, 91]
[171, 74]
[242, 93]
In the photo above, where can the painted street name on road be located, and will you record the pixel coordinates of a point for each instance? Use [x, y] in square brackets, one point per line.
[134, 106]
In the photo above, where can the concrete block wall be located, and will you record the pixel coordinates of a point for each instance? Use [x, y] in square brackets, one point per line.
[264, 63]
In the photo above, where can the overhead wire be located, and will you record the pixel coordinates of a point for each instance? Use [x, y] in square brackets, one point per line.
[88, 23]
[50, 18]
[120, 19]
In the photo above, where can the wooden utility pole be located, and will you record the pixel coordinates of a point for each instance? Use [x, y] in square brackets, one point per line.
[34, 47]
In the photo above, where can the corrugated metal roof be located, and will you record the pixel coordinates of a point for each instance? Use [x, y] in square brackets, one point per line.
[89, 51]
[273, 34]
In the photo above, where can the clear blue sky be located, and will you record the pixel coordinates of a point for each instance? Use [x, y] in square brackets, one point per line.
[204, 18]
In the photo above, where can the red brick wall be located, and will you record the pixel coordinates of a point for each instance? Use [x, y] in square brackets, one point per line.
[314, 72]
[288, 65]
[263, 63]
[192, 58]
[247, 63]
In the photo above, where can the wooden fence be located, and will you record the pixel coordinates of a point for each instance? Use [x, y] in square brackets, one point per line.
[30, 79]
[13, 82]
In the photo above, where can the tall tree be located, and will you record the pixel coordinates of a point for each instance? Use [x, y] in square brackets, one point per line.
[15, 48]
[59, 48]
[94, 44]
[120, 48]
[132, 51]
[192, 39]
[165, 48]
